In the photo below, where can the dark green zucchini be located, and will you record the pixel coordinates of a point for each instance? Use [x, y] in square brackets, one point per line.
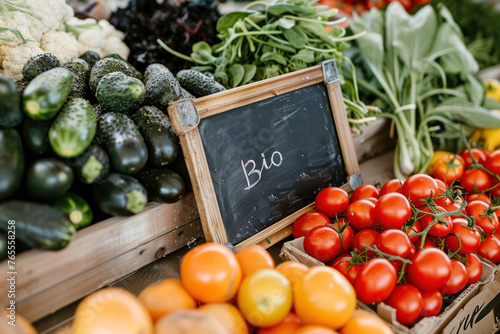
[118, 92]
[39, 64]
[92, 165]
[179, 166]
[77, 209]
[163, 185]
[161, 88]
[137, 74]
[81, 73]
[91, 58]
[155, 69]
[120, 195]
[11, 163]
[36, 135]
[48, 179]
[37, 225]
[163, 145]
[3, 246]
[124, 143]
[104, 67]
[11, 113]
[198, 83]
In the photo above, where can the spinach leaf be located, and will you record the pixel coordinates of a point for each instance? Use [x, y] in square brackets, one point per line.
[273, 56]
[295, 36]
[250, 70]
[236, 73]
[227, 21]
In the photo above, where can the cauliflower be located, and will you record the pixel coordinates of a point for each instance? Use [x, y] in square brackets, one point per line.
[116, 45]
[52, 13]
[61, 44]
[14, 58]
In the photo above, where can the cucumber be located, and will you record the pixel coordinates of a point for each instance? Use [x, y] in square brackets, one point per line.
[179, 166]
[120, 195]
[10, 103]
[39, 64]
[48, 179]
[46, 94]
[137, 74]
[104, 67]
[12, 163]
[37, 225]
[74, 128]
[36, 135]
[92, 165]
[3, 246]
[99, 111]
[118, 92]
[186, 95]
[163, 185]
[22, 84]
[161, 88]
[198, 84]
[81, 72]
[124, 143]
[163, 145]
[155, 69]
[91, 58]
[77, 209]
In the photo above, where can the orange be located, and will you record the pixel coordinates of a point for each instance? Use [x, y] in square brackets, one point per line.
[22, 326]
[211, 273]
[228, 315]
[165, 297]
[324, 297]
[293, 271]
[253, 258]
[112, 310]
[315, 329]
[289, 325]
[365, 322]
[189, 322]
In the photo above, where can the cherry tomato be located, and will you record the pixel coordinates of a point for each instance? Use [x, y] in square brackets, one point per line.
[490, 249]
[408, 303]
[449, 168]
[475, 180]
[323, 243]
[375, 281]
[478, 197]
[342, 264]
[474, 269]
[307, 222]
[495, 192]
[365, 238]
[346, 235]
[416, 228]
[391, 186]
[361, 215]
[433, 301]
[458, 279]
[452, 206]
[393, 210]
[476, 209]
[413, 252]
[332, 201]
[430, 269]
[442, 228]
[469, 238]
[394, 242]
[477, 153]
[441, 186]
[419, 186]
[371, 199]
[364, 191]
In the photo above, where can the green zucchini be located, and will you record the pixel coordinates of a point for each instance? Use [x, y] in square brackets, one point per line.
[91, 58]
[120, 195]
[81, 72]
[124, 143]
[46, 94]
[163, 145]
[37, 225]
[74, 128]
[198, 84]
[161, 88]
[186, 95]
[77, 209]
[137, 74]
[104, 67]
[3, 246]
[48, 179]
[118, 92]
[163, 185]
[12, 163]
[36, 135]
[92, 165]
[155, 69]
[10, 103]
[39, 64]
[179, 166]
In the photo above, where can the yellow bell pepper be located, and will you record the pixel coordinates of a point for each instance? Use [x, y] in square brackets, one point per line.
[492, 89]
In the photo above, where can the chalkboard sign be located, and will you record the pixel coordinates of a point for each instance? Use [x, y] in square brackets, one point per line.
[259, 154]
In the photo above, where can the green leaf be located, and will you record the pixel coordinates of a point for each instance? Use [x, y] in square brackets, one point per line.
[475, 90]
[202, 46]
[295, 36]
[460, 110]
[274, 57]
[272, 71]
[286, 23]
[281, 9]
[236, 73]
[250, 70]
[446, 15]
[490, 103]
[306, 56]
[15, 32]
[227, 21]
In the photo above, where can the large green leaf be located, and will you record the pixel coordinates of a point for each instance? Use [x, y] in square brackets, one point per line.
[236, 73]
[306, 56]
[273, 56]
[282, 9]
[295, 36]
[227, 21]
[460, 110]
[250, 71]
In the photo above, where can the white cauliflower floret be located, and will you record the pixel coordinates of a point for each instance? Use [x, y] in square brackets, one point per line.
[116, 45]
[14, 58]
[109, 30]
[61, 44]
[52, 13]
[91, 40]
[30, 27]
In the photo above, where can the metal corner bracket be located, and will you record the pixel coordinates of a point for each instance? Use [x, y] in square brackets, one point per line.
[355, 180]
[330, 71]
[188, 114]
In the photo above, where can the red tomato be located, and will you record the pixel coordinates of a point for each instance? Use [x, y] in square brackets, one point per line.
[394, 242]
[416, 228]
[469, 238]
[307, 222]
[478, 197]
[375, 281]
[457, 281]
[442, 228]
[408, 303]
[449, 168]
[391, 186]
[476, 209]
[413, 252]
[364, 191]
[371, 199]
[393, 210]
[441, 186]
[365, 238]
[342, 263]
[495, 192]
[332, 201]
[433, 301]
[346, 235]
[493, 162]
[490, 249]
[452, 206]
[475, 180]
[474, 269]
[477, 153]
[323, 243]
[430, 269]
[419, 186]
[361, 215]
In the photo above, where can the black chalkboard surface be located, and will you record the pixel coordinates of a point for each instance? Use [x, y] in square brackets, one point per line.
[270, 159]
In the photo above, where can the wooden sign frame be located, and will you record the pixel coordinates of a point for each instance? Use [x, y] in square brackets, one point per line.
[186, 114]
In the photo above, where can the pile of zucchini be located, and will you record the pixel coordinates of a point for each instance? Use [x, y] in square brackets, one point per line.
[91, 135]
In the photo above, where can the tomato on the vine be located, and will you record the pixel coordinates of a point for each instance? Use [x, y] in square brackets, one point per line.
[451, 206]
[307, 222]
[477, 153]
[391, 186]
[475, 180]
[457, 281]
[474, 269]
[430, 269]
[412, 230]
[441, 228]
[477, 209]
[323, 243]
[493, 162]
[394, 242]
[393, 210]
[495, 192]
[449, 168]
[342, 264]
[375, 281]
[478, 197]
[364, 191]
[361, 215]
[346, 235]
[490, 249]
[408, 303]
[433, 301]
[332, 201]
[418, 187]
[470, 238]
[365, 238]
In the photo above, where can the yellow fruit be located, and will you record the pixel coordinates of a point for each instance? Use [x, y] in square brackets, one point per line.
[492, 89]
[228, 315]
[189, 322]
[437, 155]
